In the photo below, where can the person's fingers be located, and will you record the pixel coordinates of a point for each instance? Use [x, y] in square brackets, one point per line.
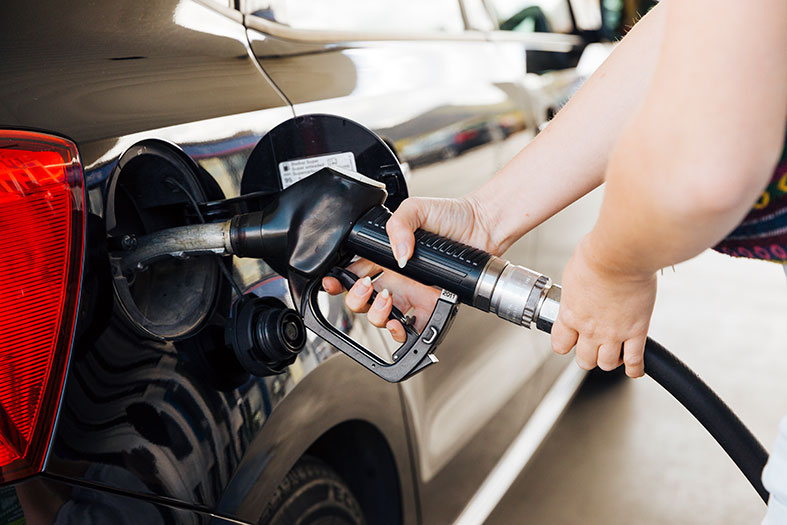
[381, 308]
[609, 356]
[563, 338]
[633, 356]
[332, 286]
[397, 330]
[587, 353]
[363, 267]
[400, 227]
[358, 295]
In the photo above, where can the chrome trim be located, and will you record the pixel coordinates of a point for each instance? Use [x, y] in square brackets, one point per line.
[538, 41]
[533, 300]
[546, 315]
[482, 296]
[512, 294]
[561, 41]
[328, 37]
[226, 10]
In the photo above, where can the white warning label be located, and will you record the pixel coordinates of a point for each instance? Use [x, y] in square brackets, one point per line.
[291, 171]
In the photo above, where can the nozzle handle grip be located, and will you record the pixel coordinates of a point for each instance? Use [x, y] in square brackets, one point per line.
[436, 260]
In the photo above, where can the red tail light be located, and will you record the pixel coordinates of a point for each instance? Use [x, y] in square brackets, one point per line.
[41, 224]
[464, 136]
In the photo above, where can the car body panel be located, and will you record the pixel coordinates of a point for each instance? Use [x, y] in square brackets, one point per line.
[149, 408]
[421, 95]
[101, 71]
[156, 420]
[46, 499]
[311, 409]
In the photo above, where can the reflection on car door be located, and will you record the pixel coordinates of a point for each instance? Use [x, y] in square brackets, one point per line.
[444, 105]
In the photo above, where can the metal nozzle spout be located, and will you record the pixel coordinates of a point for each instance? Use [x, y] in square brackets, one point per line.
[181, 241]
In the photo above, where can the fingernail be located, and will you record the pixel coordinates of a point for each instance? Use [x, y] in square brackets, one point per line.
[401, 249]
[379, 305]
[366, 282]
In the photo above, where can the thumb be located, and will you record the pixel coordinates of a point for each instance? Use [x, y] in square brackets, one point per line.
[400, 227]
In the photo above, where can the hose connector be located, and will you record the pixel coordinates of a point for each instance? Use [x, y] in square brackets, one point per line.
[517, 294]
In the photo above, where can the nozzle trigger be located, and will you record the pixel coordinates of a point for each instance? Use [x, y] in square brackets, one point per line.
[414, 355]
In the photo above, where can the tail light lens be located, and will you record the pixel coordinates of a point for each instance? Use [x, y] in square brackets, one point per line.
[41, 226]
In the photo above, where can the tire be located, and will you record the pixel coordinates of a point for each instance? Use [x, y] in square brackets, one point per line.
[312, 493]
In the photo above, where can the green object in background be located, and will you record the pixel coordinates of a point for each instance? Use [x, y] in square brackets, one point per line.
[613, 13]
[621, 15]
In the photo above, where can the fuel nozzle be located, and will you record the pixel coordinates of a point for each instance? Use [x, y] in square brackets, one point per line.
[319, 224]
[484, 281]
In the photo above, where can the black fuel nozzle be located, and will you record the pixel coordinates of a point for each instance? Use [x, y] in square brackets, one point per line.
[301, 233]
[321, 223]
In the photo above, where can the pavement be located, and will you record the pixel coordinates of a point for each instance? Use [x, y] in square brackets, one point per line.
[625, 452]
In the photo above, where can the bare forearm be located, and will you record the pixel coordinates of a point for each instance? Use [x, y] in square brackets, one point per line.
[647, 221]
[568, 159]
[704, 143]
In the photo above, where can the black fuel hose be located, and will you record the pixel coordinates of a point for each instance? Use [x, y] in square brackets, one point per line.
[464, 270]
[709, 409]
[441, 262]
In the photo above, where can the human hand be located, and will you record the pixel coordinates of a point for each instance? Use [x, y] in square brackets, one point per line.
[461, 220]
[457, 219]
[604, 312]
[409, 295]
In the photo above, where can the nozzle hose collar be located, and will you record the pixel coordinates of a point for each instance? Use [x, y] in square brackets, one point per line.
[513, 293]
[246, 235]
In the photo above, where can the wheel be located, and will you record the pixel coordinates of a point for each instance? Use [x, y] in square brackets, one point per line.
[312, 493]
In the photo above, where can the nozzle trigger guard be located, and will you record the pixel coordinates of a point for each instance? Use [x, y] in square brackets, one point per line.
[414, 355]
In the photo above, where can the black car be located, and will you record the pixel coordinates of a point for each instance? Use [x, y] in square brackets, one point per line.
[120, 400]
